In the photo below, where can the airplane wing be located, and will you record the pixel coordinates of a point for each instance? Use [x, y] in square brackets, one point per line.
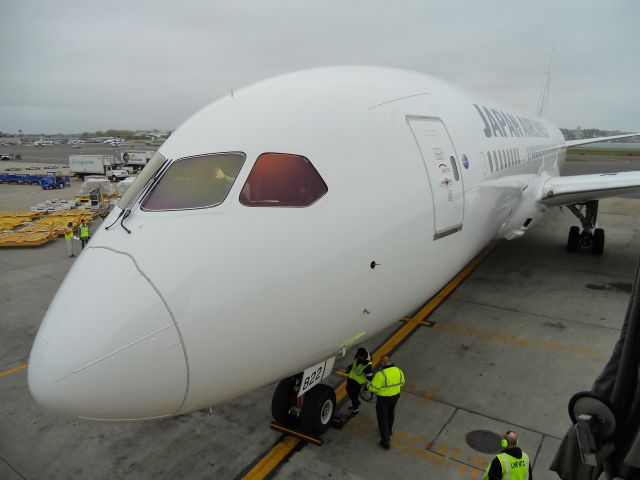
[585, 141]
[582, 188]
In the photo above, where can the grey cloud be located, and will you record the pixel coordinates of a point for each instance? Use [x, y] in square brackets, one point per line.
[75, 66]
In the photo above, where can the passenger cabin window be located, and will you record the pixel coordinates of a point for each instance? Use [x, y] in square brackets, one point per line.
[282, 180]
[195, 182]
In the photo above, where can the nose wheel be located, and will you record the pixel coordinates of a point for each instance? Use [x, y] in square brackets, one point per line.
[317, 412]
[311, 413]
[590, 237]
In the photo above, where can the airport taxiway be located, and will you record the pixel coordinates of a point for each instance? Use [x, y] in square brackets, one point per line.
[532, 325]
[60, 153]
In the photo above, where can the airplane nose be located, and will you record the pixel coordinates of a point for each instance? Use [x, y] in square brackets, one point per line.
[108, 347]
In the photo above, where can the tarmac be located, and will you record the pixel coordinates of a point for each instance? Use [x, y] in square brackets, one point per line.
[59, 154]
[532, 325]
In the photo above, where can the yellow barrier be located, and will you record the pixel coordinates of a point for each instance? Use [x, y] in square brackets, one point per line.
[44, 228]
[11, 219]
[13, 213]
[24, 239]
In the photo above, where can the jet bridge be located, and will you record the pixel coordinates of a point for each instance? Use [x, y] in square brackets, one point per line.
[604, 441]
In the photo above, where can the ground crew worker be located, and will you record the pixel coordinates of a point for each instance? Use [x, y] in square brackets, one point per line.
[386, 385]
[511, 463]
[359, 372]
[68, 238]
[83, 231]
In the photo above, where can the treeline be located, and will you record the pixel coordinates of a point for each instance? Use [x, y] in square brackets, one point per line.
[588, 133]
[125, 134]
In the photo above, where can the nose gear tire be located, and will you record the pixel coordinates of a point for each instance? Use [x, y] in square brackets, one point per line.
[283, 398]
[318, 409]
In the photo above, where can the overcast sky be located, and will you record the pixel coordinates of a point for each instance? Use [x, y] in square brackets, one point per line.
[73, 66]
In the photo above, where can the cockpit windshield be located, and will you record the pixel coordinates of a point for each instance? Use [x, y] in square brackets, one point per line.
[282, 180]
[195, 182]
[147, 173]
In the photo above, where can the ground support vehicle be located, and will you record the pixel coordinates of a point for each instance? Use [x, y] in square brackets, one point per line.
[49, 181]
[84, 165]
[136, 160]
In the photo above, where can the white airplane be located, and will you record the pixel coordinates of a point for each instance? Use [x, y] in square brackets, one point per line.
[286, 223]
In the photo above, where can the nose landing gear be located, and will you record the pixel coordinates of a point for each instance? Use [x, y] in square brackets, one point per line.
[311, 412]
[590, 237]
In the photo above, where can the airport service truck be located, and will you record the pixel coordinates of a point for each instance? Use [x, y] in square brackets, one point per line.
[83, 165]
[136, 160]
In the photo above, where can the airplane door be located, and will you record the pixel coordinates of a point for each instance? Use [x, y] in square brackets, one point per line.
[444, 173]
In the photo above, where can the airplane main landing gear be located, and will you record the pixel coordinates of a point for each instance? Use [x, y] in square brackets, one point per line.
[590, 237]
[311, 412]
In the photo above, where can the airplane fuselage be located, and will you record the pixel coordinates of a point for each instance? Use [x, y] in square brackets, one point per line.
[216, 301]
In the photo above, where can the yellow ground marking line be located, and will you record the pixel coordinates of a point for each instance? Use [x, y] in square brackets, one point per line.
[417, 320]
[520, 341]
[269, 462]
[13, 370]
[283, 448]
[420, 447]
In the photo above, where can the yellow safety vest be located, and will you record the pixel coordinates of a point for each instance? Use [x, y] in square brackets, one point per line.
[68, 232]
[357, 371]
[84, 231]
[387, 382]
[512, 468]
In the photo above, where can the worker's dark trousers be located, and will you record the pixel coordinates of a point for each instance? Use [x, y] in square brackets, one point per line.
[385, 407]
[353, 390]
[84, 241]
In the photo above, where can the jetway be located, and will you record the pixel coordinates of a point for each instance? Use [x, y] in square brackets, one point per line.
[604, 441]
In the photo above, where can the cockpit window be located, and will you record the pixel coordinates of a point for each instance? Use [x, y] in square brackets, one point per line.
[282, 180]
[196, 182]
[141, 181]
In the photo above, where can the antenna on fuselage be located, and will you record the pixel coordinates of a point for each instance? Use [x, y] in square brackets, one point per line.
[544, 94]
